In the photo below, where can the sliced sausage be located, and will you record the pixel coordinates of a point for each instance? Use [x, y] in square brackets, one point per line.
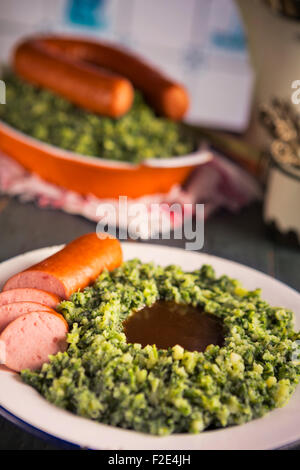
[27, 342]
[29, 295]
[10, 312]
[67, 67]
[77, 265]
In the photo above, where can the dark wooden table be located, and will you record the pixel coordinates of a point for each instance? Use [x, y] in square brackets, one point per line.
[238, 237]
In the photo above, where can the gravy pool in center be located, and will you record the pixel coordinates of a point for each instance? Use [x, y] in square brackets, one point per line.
[167, 323]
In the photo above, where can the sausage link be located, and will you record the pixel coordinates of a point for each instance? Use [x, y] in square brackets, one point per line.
[67, 66]
[80, 82]
[77, 265]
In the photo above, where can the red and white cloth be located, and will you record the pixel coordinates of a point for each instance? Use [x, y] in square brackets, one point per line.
[217, 184]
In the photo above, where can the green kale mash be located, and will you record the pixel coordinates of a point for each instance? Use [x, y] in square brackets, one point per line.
[136, 136]
[104, 378]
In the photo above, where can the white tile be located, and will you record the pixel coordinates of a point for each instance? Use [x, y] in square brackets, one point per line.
[27, 12]
[224, 21]
[221, 14]
[166, 59]
[221, 99]
[235, 63]
[163, 23]
[7, 43]
[120, 14]
[54, 13]
[57, 19]
[11, 37]
[201, 22]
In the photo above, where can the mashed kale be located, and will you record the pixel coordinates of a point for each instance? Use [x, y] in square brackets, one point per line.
[104, 378]
[136, 136]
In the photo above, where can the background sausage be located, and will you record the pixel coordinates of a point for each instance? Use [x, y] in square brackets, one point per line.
[31, 295]
[81, 83]
[27, 342]
[10, 312]
[62, 64]
[74, 267]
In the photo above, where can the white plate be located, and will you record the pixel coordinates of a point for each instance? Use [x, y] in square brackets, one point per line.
[25, 407]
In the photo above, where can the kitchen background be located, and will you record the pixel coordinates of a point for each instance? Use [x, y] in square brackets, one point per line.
[233, 57]
[208, 52]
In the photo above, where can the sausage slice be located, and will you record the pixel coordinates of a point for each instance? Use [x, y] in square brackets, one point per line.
[27, 342]
[28, 294]
[72, 268]
[10, 312]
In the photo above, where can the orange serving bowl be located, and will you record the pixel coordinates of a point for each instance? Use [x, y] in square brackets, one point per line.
[93, 175]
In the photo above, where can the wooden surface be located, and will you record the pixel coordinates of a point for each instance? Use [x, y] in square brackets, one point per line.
[238, 237]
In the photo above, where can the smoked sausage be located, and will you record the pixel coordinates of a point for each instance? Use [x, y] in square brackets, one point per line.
[91, 74]
[81, 83]
[76, 266]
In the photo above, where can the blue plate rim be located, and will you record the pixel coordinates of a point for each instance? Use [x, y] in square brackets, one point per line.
[37, 432]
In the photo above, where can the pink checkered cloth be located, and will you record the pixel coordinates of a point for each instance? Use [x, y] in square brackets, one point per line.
[218, 184]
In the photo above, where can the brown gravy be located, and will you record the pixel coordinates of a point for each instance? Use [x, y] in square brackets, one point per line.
[166, 324]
